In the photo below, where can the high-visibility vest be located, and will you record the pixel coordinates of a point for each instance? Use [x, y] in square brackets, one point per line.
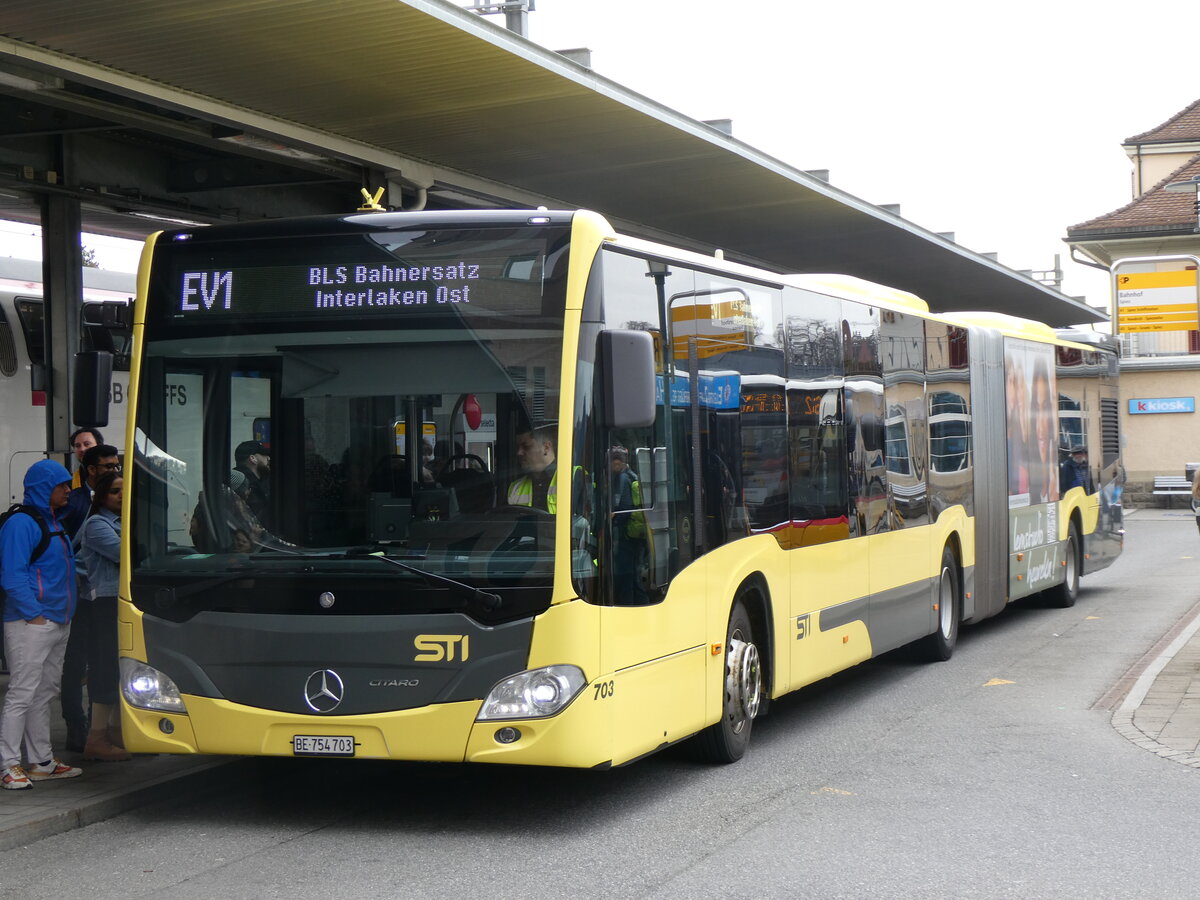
[635, 528]
[520, 492]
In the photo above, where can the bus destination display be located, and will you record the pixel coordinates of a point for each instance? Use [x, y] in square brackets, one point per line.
[334, 290]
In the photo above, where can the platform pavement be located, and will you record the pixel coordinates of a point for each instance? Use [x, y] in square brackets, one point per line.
[1156, 705]
[103, 790]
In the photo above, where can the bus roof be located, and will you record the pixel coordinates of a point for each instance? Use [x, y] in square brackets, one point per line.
[1013, 326]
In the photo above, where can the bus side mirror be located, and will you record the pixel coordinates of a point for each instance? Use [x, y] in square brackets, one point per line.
[93, 377]
[627, 363]
[108, 314]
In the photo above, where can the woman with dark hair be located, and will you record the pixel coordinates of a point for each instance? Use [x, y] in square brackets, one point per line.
[100, 551]
[1044, 477]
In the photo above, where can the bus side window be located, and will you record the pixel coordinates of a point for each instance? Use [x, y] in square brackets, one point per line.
[8, 347]
[819, 489]
[32, 322]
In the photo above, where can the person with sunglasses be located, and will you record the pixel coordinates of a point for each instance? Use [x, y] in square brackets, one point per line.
[99, 550]
[97, 461]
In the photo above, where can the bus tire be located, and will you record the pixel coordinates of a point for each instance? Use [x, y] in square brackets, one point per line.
[726, 740]
[939, 646]
[1064, 595]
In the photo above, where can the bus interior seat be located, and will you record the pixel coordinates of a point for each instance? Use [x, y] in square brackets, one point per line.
[475, 490]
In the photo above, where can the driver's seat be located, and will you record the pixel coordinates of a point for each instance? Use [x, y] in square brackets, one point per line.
[474, 490]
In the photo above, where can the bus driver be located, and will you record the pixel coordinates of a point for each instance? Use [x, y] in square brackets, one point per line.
[538, 487]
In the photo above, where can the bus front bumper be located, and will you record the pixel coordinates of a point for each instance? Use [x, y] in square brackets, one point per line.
[448, 732]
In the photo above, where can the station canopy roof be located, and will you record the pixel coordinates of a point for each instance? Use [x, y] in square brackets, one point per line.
[446, 101]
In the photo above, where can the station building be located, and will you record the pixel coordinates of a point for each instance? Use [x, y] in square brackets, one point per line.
[1160, 370]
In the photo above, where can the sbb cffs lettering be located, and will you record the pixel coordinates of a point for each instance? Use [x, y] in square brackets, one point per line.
[176, 394]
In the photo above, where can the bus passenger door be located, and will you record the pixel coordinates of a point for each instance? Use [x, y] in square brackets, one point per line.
[652, 621]
[895, 431]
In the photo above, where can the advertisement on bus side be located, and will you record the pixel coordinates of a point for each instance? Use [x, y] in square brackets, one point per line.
[1030, 392]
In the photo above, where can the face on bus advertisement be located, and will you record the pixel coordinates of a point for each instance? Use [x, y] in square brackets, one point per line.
[1032, 433]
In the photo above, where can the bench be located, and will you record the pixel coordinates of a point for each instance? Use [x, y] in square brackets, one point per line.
[1172, 486]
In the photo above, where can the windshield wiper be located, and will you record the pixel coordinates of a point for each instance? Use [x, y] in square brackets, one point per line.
[167, 597]
[489, 600]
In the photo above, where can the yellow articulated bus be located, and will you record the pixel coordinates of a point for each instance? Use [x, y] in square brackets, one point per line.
[507, 486]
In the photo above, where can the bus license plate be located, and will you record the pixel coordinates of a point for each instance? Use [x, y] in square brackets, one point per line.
[322, 745]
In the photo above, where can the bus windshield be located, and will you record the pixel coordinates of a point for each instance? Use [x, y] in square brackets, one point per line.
[344, 403]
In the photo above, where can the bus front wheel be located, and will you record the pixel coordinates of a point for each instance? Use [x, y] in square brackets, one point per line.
[726, 740]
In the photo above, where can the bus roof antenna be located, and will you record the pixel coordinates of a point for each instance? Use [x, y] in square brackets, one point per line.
[371, 201]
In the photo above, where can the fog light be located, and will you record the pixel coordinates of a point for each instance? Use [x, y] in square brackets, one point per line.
[507, 735]
[166, 726]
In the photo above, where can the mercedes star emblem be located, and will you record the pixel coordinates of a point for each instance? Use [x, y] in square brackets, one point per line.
[323, 691]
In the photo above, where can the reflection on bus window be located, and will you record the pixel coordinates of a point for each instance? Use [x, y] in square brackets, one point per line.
[949, 432]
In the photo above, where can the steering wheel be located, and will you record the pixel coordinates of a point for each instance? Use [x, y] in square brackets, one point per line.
[467, 456]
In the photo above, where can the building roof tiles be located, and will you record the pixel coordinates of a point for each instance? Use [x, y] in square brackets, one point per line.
[1183, 126]
[1155, 210]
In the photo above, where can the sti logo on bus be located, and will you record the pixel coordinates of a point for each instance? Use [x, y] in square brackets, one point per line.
[206, 290]
[438, 647]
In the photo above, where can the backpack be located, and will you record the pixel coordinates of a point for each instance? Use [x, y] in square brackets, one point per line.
[43, 544]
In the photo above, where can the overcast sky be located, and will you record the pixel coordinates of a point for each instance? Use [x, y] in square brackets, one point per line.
[999, 122]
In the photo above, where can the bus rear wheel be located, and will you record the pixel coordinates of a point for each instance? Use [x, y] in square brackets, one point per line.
[939, 646]
[1065, 594]
[726, 740]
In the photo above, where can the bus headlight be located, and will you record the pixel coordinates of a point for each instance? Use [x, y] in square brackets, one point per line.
[533, 694]
[147, 688]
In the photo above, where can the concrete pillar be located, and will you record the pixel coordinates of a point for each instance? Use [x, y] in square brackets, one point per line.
[62, 277]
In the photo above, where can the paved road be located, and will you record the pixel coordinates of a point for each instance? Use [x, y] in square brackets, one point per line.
[997, 774]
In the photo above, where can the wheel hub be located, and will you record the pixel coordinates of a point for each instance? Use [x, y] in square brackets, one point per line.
[743, 679]
[946, 604]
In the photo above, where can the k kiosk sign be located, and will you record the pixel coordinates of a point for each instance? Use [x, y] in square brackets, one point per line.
[1150, 405]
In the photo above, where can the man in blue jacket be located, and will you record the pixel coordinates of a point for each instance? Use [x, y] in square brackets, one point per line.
[40, 597]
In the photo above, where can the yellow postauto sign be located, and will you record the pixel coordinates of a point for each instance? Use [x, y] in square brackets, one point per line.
[1157, 301]
[720, 323]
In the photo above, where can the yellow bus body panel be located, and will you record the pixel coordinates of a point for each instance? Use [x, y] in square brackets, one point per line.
[617, 718]
[437, 733]
[1088, 506]
[825, 576]
[658, 658]
[589, 231]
